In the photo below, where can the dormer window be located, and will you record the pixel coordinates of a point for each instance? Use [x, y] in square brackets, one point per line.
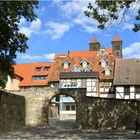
[107, 71]
[87, 69]
[103, 63]
[65, 64]
[38, 69]
[46, 68]
[76, 69]
[84, 63]
[39, 77]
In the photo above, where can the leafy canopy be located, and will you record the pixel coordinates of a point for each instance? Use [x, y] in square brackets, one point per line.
[11, 40]
[108, 11]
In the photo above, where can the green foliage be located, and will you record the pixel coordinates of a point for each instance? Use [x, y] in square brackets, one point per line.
[108, 11]
[11, 40]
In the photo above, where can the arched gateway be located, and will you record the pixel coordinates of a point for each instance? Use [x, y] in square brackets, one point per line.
[91, 112]
[77, 94]
[38, 99]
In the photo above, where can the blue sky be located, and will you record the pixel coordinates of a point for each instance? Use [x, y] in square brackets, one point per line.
[62, 26]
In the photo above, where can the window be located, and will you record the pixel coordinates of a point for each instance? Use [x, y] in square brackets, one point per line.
[67, 107]
[38, 69]
[76, 69]
[103, 63]
[65, 64]
[127, 90]
[107, 71]
[102, 84]
[42, 77]
[46, 69]
[107, 84]
[84, 63]
[73, 107]
[87, 69]
[137, 89]
[73, 83]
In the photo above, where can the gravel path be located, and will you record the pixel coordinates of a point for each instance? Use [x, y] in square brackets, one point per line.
[66, 130]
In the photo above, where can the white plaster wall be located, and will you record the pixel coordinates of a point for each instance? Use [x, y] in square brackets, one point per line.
[92, 94]
[132, 95]
[67, 112]
[101, 89]
[126, 97]
[106, 90]
[13, 84]
[132, 89]
[137, 96]
[103, 95]
[107, 95]
[120, 89]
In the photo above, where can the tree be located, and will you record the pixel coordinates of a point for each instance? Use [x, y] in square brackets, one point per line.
[11, 40]
[108, 11]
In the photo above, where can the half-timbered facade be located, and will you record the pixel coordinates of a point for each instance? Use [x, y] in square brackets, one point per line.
[92, 70]
[127, 78]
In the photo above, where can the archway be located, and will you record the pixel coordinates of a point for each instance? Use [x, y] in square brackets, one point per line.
[78, 95]
[62, 111]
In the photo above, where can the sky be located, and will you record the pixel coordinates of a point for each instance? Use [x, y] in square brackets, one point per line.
[61, 26]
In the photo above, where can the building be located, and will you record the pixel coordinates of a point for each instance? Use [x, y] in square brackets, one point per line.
[93, 69]
[100, 70]
[30, 75]
[127, 78]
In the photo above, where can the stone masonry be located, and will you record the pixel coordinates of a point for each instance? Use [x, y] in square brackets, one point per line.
[91, 113]
[12, 111]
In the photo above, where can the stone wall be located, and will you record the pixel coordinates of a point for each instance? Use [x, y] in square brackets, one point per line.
[12, 111]
[103, 113]
[35, 97]
[91, 112]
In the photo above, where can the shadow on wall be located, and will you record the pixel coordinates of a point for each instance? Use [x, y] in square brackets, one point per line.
[111, 114]
[12, 111]
[98, 113]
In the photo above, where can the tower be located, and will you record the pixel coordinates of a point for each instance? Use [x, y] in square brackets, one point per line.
[117, 46]
[94, 45]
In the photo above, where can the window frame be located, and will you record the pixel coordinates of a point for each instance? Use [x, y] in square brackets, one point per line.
[126, 90]
[46, 68]
[38, 69]
[137, 89]
[66, 64]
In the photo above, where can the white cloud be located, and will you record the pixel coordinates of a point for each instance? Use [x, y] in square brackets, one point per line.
[34, 27]
[22, 21]
[27, 56]
[40, 11]
[74, 7]
[48, 57]
[57, 2]
[127, 26]
[74, 11]
[56, 30]
[88, 24]
[132, 51]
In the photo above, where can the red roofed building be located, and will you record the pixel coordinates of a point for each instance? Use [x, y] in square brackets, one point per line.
[29, 75]
[93, 69]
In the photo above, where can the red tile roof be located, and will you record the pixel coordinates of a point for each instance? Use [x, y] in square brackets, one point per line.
[94, 40]
[76, 57]
[80, 54]
[27, 71]
[116, 38]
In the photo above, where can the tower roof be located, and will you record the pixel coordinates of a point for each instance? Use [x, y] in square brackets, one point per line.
[94, 40]
[116, 38]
